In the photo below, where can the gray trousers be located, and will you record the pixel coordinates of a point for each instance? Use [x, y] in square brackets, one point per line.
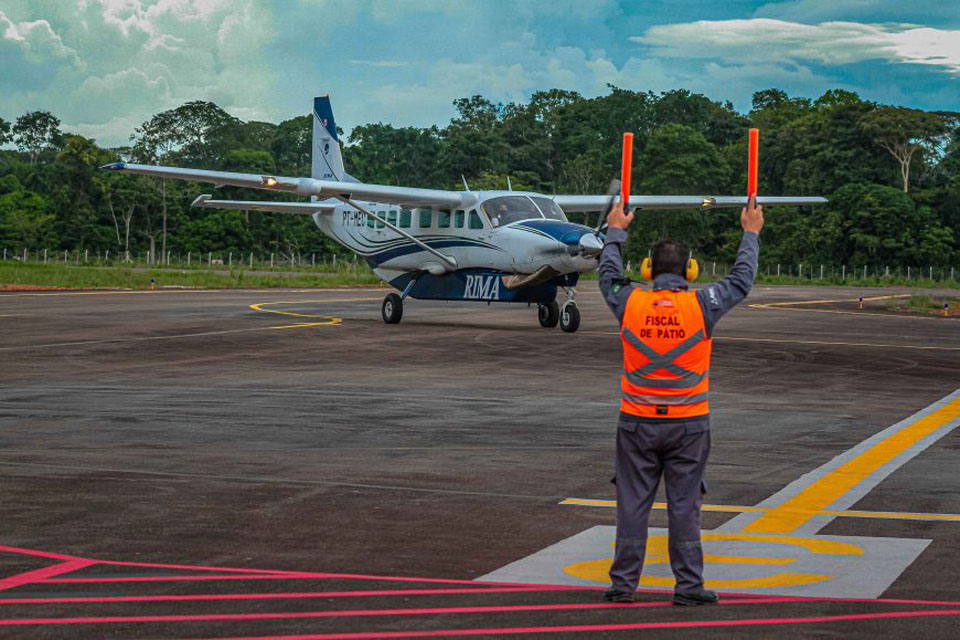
[645, 451]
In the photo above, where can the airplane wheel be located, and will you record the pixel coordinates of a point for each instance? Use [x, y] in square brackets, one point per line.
[570, 317]
[392, 308]
[548, 314]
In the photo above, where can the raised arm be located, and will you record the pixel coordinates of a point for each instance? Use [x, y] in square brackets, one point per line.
[615, 292]
[720, 297]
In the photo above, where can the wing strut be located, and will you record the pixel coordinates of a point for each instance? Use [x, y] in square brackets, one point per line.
[449, 260]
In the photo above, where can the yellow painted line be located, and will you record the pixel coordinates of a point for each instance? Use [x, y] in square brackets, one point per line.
[828, 343]
[771, 305]
[896, 515]
[799, 509]
[325, 320]
[728, 508]
[661, 505]
[839, 343]
[790, 306]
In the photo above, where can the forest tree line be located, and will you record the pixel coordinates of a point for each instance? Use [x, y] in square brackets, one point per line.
[892, 174]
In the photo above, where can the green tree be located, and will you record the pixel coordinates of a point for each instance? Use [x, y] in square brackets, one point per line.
[193, 132]
[904, 132]
[5, 135]
[35, 132]
[25, 218]
[881, 225]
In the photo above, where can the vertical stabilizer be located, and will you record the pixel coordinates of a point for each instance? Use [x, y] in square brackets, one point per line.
[327, 161]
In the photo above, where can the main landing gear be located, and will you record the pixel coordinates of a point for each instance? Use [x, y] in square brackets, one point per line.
[392, 308]
[568, 317]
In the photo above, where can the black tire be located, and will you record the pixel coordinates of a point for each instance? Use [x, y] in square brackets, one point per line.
[548, 314]
[570, 317]
[392, 308]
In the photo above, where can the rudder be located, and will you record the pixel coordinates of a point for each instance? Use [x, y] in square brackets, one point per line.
[327, 162]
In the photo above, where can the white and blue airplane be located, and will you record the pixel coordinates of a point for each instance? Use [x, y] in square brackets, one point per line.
[434, 244]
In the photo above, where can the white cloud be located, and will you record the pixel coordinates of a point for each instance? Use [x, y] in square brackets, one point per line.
[389, 64]
[828, 43]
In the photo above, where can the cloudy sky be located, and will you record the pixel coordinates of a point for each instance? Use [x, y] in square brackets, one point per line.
[105, 66]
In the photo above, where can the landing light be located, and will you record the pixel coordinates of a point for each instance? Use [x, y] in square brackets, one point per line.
[269, 182]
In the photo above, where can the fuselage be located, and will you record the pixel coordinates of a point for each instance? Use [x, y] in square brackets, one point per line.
[507, 232]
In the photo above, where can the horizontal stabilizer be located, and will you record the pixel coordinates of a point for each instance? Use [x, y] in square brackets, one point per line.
[306, 208]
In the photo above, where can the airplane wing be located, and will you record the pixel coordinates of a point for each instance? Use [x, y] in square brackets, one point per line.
[305, 208]
[407, 196]
[600, 203]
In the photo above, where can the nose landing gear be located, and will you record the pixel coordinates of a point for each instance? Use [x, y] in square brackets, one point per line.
[569, 317]
[550, 314]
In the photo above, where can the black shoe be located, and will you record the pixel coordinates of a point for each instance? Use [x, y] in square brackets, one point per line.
[695, 598]
[616, 595]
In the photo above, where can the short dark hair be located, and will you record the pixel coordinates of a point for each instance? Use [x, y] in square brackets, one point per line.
[669, 256]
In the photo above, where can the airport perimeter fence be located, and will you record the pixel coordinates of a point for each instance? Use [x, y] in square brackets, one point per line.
[873, 275]
[215, 260]
[848, 274]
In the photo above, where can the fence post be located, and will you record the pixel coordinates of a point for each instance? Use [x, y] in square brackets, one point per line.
[313, 259]
[821, 272]
[778, 268]
[107, 256]
[209, 258]
[86, 256]
[44, 256]
[271, 261]
[251, 259]
[908, 272]
[844, 277]
[931, 273]
[230, 260]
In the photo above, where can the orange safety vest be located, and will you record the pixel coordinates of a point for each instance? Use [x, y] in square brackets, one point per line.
[666, 355]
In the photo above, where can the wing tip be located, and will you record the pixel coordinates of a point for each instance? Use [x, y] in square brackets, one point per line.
[115, 166]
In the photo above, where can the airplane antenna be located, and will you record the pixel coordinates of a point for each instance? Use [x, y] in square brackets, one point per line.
[509, 186]
[465, 185]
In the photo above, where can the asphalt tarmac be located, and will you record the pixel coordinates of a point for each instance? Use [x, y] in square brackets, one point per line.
[389, 467]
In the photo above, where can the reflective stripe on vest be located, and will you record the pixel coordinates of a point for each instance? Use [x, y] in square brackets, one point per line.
[666, 355]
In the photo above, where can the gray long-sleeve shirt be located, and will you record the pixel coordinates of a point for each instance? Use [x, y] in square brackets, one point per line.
[715, 300]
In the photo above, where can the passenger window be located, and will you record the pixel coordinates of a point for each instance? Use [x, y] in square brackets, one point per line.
[380, 214]
[405, 219]
[443, 219]
[370, 221]
[392, 218]
[458, 219]
[475, 221]
[426, 218]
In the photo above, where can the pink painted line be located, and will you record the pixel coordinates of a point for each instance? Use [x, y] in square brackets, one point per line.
[687, 624]
[229, 576]
[154, 565]
[42, 554]
[278, 596]
[353, 613]
[39, 575]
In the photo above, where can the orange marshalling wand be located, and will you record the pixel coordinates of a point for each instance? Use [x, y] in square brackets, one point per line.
[626, 170]
[752, 162]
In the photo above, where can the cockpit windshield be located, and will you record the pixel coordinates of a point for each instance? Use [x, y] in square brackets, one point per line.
[504, 210]
[551, 210]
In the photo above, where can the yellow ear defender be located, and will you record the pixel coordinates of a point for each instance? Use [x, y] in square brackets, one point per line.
[690, 273]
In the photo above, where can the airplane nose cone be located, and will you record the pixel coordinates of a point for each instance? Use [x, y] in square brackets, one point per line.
[590, 245]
